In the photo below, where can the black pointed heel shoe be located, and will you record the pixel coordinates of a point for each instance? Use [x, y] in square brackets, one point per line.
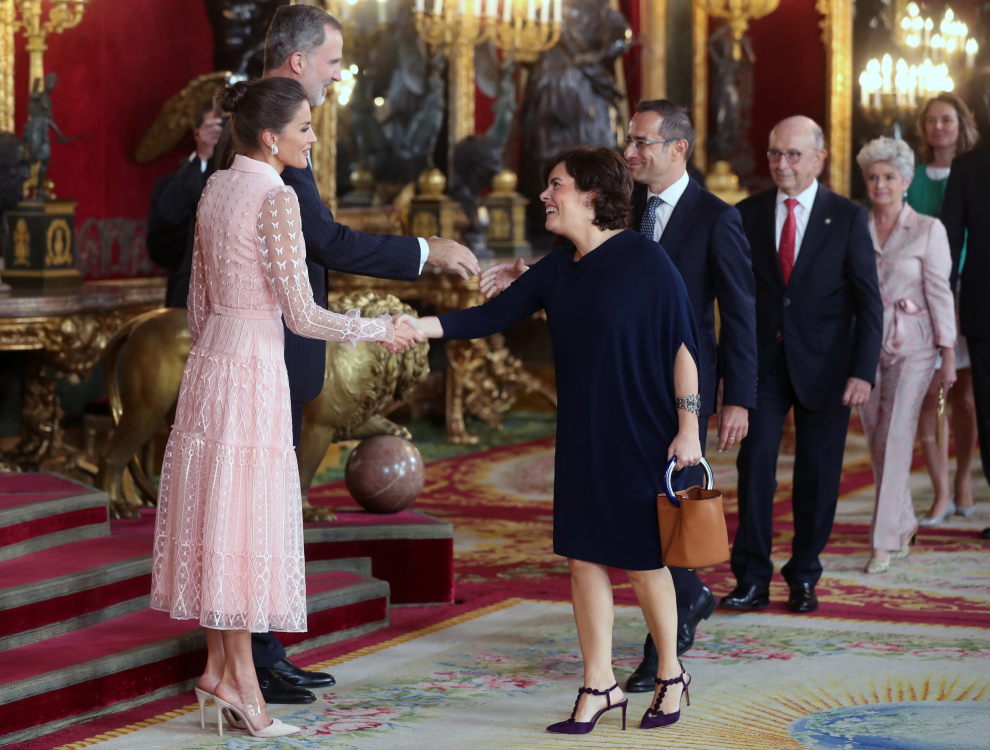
[583, 727]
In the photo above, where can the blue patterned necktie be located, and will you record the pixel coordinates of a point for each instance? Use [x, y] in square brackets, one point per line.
[649, 224]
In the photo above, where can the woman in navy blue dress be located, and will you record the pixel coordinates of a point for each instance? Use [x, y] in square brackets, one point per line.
[625, 353]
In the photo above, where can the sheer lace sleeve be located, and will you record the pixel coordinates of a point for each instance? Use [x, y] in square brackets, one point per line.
[199, 303]
[284, 261]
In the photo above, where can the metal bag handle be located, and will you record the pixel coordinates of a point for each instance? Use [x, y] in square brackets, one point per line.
[709, 476]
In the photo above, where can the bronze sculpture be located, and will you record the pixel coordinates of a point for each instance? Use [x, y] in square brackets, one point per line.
[239, 29]
[152, 351]
[571, 94]
[36, 138]
[476, 162]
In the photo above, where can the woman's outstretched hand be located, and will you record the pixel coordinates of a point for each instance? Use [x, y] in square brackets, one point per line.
[687, 448]
[405, 337]
[426, 328]
[499, 278]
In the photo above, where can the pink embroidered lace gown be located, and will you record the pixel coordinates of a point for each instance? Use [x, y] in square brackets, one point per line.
[229, 538]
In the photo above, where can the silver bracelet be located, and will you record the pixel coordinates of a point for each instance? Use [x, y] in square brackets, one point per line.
[690, 403]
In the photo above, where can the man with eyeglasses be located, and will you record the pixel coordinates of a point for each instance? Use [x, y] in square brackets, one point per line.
[704, 238]
[819, 325]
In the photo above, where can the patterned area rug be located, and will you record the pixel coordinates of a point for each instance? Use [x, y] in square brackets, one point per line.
[894, 662]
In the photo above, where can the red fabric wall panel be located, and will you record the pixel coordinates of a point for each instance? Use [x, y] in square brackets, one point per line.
[789, 74]
[115, 71]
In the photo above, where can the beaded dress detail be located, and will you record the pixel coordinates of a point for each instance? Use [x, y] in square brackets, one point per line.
[228, 536]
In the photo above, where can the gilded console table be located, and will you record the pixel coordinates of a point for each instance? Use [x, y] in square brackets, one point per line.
[64, 331]
[482, 379]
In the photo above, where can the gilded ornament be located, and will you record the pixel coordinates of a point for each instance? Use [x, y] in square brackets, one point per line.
[22, 244]
[424, 224]
[58, 244]
[500, 227]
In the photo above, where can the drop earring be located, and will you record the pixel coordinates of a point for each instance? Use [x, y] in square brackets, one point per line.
[274, 149]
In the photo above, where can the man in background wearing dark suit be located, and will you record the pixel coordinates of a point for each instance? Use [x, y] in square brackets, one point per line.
[819, 325]
[704, 238]
[966, 209]
[172, 217]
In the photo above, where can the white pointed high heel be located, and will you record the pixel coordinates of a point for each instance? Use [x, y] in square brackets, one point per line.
[275, 729]
[937, 520]
[202, 696]
[965, 512]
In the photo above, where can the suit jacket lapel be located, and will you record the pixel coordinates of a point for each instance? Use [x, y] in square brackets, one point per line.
[985, 162]
[638, 206]
[681, 219]
[767, 245]
[819, 224]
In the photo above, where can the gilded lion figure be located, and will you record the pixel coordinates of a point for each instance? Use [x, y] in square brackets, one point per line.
[150, 353]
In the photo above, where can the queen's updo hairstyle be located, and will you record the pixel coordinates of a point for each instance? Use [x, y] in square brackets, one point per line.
[257, 106]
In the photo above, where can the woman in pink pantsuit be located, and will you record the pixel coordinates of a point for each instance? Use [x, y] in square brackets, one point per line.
[228, 538]
[913, 265]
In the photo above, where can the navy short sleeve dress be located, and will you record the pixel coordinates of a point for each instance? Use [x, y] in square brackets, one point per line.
[617, 318]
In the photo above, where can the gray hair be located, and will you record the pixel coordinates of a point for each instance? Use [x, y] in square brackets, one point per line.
[676, 122]
[891, 151]
[296, 28]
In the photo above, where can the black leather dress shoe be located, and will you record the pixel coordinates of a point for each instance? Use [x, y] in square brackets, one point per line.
[641, 681]
[300, 677]
[802, 598]
[701, 609]
[747, 597]
[986, 533]
[276, 690]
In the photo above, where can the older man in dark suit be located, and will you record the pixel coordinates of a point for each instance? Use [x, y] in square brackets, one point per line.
[966, 209]
[819, 324]
[704, 238]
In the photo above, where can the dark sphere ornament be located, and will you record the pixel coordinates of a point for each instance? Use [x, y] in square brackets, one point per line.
[385, 474]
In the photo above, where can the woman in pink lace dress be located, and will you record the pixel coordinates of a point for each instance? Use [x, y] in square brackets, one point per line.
[229, 538]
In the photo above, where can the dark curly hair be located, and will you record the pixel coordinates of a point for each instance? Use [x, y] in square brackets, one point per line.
[604, 172]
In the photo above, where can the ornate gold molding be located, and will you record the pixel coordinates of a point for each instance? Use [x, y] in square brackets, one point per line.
[7, 66]
[699, 82]
[836, 25]
[653, 33]
[324, 155]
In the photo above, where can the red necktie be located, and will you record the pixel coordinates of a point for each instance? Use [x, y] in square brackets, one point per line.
[788, 237]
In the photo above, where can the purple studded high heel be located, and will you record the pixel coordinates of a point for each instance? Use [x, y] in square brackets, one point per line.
[583, 727]
[654, 718]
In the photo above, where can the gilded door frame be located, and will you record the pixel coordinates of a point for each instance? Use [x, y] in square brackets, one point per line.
[836, 25]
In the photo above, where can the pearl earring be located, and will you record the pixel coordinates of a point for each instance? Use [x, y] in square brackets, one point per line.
[274, 149]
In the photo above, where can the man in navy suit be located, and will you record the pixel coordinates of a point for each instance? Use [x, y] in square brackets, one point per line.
[704, 238]
[306, 43]
[819, 326]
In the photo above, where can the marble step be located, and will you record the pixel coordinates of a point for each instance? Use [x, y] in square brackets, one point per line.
[38, 511]
[72, 586]
[413, 551]
[145, 655]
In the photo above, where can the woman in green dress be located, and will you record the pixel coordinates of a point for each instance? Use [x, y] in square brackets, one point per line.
[947, 129]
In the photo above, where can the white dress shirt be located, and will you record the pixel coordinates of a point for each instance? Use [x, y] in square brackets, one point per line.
[670, 196]
[802, 212]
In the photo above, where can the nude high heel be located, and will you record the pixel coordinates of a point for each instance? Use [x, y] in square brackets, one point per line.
[275, 729]
[202, 696]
